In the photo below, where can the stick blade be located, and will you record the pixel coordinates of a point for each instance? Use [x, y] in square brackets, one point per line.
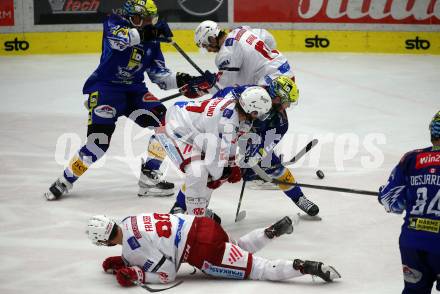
[240, 216]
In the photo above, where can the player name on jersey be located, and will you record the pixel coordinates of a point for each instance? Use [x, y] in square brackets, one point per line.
[425, 180]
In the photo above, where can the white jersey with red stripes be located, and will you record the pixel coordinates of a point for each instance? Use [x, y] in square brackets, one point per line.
[210, 127]
[155, 242]
[244, 59]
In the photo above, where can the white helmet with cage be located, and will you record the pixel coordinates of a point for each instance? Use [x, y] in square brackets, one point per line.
[256, 99]
[99, 229]
[204, 30]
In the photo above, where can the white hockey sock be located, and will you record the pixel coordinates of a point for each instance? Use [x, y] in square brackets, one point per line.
[253, 241]
[273, 270]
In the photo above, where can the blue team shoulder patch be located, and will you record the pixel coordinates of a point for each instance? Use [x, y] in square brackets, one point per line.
[228, 113]
[134, 244]
[229, 41]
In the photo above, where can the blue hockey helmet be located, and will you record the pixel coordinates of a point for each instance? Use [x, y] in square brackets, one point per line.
[434, 127]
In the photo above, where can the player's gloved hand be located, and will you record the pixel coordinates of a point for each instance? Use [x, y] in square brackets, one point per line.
[112, 264]
[183, 78]
[128, 275]
[199, 86]
[159, 32]
[235, 175]
[215, 184]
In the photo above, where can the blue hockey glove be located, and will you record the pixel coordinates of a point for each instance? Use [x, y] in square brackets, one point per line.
[159, 32]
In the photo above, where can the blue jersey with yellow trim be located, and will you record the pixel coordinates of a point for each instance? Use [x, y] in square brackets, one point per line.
[125, 64]
[414, 186]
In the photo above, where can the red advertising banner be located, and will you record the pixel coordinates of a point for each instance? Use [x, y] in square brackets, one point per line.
[339, 11]
[6, 12]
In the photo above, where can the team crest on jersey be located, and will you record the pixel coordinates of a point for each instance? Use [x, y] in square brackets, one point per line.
[105, 111]
[426, 159]
[411, 275]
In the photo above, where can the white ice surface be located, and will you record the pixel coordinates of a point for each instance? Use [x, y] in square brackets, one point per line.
[43, 248]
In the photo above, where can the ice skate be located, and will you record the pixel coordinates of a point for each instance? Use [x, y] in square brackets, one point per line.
[60, 187]
[281, 227]
[307, 206]
[150, 184]
[316, 268]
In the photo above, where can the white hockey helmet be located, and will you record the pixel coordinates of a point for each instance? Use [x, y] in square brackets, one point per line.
[204, 30]
[256, 99]
[99, 229]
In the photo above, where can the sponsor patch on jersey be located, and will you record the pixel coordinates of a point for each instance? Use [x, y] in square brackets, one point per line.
[426, 159]
[235, 256]
[229, 41]
[147, 265]
[223, 272]
[135, 228]
[105, 111]
[424, 224]
[411, 275]
[228, 113]
[133, 243]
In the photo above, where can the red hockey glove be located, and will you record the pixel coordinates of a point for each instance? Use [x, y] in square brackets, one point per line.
[199, 86]
[112, 264]
[215, 184]
[127, 275]
[235, 175]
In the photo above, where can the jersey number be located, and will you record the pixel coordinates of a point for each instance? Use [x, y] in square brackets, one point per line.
[163, 224]
[266, 52]
[422, 197]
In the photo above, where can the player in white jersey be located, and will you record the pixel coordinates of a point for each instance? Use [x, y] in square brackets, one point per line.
[154, 245]
[243, 58]
[205, 136]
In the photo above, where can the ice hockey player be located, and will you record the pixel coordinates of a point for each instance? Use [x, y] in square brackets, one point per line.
[243, 58]
[154, 246]
[116, 88]
[271, 130]
[205, 136]
[414, 187]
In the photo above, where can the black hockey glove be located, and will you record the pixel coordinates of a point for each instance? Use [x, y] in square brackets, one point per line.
[159, 32]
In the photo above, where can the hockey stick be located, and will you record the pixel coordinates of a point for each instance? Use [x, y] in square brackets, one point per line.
[170, 97]
[152, 290]
[240, 215]
[259, 171]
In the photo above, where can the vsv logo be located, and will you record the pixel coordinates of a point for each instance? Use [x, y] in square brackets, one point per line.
[417, 43]
[317, 42]
[16, 45]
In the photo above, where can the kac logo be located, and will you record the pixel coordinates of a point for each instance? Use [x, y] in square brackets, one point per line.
[317, 42]
[16, 45]
[417, 43]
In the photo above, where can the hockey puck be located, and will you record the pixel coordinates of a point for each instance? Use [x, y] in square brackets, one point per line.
[320, 174]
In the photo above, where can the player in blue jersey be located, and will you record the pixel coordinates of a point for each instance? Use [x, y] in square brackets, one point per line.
[414, 187]
[283, 92]
[130, 47]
